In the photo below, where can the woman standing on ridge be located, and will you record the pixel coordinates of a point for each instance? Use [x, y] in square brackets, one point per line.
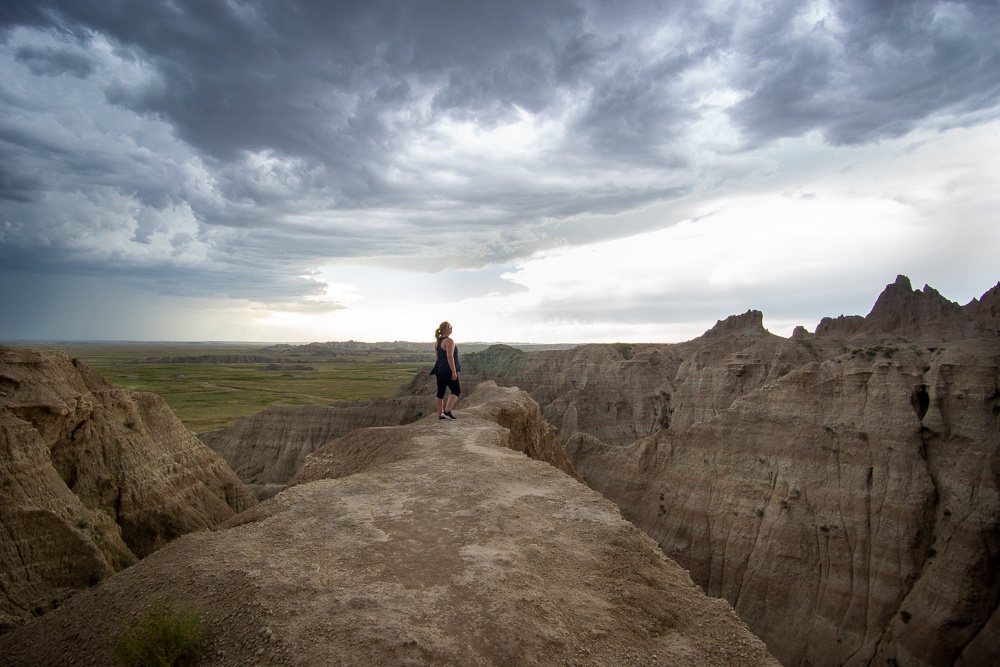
[446, 369]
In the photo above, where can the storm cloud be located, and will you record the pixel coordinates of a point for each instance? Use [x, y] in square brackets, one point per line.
[233, 149]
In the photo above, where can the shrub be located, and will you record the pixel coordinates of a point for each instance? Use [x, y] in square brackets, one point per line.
[167, 635]
[625, 350]
[870, 353]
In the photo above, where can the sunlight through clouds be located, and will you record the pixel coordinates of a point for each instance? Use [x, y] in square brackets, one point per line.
[568, 171]
[832, 234]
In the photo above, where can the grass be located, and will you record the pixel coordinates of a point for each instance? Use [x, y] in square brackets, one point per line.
[211, 396]
[167, 635]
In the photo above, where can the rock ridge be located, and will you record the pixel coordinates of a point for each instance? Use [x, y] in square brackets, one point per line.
[917, 315]
[841, 489]
[838, 488]
[267, 448]
[94, 477]
[451, 547]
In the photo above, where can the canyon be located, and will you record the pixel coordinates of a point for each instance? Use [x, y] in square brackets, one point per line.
[93, 477]
[838, 489]
[424, 544]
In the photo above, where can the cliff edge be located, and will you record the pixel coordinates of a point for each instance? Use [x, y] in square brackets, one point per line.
[841, 489]
[92, 478]
[438, 543]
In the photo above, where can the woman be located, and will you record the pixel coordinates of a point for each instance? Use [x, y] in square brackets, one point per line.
[446, 369]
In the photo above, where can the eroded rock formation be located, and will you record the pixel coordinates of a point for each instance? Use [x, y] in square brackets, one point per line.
[265, 449]
[917, 315]
[92, 477]
[515, 411]
[830, 514]
[447, 547]
[841, 489]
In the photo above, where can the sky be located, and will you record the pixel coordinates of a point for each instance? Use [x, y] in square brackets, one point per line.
[548, 171]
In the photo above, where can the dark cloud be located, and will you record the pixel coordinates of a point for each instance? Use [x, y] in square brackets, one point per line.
[873, 70]
[52, 62]
[227, 148]
[17, 187]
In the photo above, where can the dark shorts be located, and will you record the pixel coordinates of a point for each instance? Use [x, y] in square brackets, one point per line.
[445, 381]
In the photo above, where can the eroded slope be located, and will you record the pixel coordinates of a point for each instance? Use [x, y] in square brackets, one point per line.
[453, 549]
[94, 477]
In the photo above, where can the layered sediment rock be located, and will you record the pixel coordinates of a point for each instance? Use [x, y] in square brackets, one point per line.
[841, 489]
[986, 310]
[265, 449]
[94, 476]
[842, 524]
[450, 547]
[917, 315]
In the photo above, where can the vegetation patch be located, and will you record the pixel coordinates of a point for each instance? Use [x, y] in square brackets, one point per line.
[208, 392]
[625, 350]
[167, 635]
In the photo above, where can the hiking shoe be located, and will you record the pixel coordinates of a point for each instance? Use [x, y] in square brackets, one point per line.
[449, 416]
[441, 416]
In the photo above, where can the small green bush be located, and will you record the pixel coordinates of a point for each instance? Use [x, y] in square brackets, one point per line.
[625, 350]
[167, 635]
[885, 350]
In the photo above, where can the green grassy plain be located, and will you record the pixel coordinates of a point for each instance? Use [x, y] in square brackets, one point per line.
[210, 396]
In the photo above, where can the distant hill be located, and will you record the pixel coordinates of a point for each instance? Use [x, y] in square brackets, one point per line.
[286, 353]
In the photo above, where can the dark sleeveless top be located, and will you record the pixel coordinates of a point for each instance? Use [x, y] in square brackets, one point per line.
[441, 365]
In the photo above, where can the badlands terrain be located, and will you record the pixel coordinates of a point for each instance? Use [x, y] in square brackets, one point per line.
[426, 544]
[838, 490]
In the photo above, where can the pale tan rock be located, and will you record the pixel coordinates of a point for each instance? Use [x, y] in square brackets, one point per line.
[92, 476]
[618, 392]
[456, 550]
[51, 545]
[840, 489]
[511, 408]
[267, 448]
